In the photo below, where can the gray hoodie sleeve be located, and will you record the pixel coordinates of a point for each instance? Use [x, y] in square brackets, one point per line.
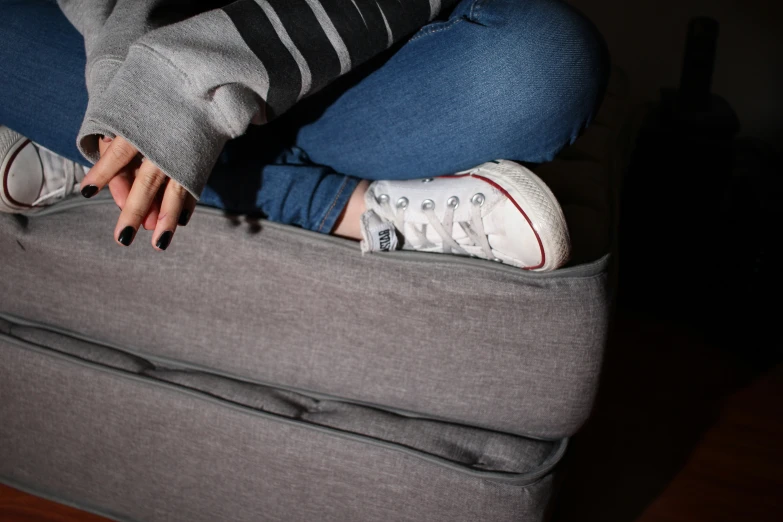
[109, 27]
[185, 88]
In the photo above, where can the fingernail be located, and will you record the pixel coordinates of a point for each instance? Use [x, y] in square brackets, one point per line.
[126, 236]
[106, 139]
[184, 217]
[164, 240]
[89, 191]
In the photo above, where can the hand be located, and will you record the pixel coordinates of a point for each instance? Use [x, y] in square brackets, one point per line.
[143, 192]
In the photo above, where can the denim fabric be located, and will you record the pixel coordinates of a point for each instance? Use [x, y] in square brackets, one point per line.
[42, 91]
[495, 79]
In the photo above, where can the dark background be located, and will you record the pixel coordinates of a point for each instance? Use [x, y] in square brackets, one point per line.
[688, 425]
[701, 207]
[647, 37]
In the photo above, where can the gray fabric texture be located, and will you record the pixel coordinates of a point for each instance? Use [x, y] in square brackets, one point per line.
[79, 348]
[138, 449]
[470, 447]
[451, 338]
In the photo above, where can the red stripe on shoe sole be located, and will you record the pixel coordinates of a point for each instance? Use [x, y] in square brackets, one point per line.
[505, 193]
[5, 177]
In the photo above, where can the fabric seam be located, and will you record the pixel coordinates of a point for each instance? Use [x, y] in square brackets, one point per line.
[436, 29]
[182, 364]
[475, 10]
[513, 479]
[214, 106]
[595, 269]
[334, 202]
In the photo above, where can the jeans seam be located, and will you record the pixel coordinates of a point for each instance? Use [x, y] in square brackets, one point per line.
[334, 202]
[475, 9]
[426, 31]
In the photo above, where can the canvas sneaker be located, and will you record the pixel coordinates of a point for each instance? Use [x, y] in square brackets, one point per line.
[499, 211]
[33, 176]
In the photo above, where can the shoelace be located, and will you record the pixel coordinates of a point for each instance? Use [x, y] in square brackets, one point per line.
[67, 188]
[473, 228]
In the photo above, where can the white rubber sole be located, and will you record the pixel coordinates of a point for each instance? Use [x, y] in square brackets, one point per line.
[537, 202]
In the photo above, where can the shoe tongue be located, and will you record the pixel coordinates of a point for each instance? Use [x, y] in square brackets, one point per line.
[55, 170]
[379, 235]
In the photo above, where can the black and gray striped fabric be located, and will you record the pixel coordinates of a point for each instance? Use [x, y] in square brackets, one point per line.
[307, 43]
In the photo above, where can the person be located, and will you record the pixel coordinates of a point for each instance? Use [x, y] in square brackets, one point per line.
[402, 124]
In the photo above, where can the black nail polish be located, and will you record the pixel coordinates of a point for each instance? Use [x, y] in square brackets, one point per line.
[164, 240]
[184, 217]
[126, 236]
[89, 191]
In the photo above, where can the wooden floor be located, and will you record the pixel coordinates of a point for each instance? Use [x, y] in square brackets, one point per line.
[682, 431]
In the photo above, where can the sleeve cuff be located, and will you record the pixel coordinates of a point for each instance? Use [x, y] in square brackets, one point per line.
[152, 104]
[99, 76]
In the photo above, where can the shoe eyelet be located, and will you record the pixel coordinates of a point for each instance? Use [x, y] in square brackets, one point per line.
[427, 204]
[426, 180]
[453, 202]
[383, 198]
[477, 199]
[497, 260]
[402, 203]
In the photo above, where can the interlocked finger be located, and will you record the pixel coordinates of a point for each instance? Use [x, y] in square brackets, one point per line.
[151, 220]
[149, 179]
[171, 208]
[116, 158]
[187, 210]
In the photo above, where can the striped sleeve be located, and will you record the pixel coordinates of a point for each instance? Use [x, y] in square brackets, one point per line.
[305, 44]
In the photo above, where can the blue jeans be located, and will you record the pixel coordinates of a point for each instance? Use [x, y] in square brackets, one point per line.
[513, 79]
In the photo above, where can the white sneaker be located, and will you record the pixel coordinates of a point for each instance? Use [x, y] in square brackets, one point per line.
[33, 176]
[499, 211]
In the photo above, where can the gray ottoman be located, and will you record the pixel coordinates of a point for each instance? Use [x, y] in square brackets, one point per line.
[449, 395]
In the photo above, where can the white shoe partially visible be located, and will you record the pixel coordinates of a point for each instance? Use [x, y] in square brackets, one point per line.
[499, 211]
[33, 176]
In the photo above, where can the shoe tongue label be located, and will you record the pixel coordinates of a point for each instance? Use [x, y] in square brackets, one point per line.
[379, 235]
[384, 239]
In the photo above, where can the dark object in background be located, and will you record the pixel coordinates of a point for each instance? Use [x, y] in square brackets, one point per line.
[697, 237]
[698, 66]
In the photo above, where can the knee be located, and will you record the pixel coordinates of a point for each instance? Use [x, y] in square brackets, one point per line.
[551, 65]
